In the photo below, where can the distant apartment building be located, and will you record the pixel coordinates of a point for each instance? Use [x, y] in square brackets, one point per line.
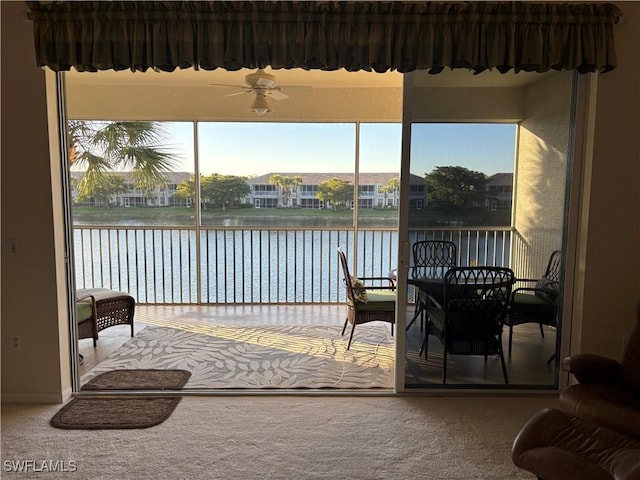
[499, 191]
[265, 194]
[159, 197]
[371, 191]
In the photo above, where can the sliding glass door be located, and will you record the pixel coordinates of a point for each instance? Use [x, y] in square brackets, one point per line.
[486, 177]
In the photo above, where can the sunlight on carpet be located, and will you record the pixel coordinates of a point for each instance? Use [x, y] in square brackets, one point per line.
[227, 356]
[293, 342]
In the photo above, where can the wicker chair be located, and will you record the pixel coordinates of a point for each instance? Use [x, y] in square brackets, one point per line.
[100, 308]
[471, 319]
[537, 304]
[369, 299]
[431, 259]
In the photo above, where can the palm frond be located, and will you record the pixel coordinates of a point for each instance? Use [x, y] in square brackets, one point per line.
[144, 157]
[92, 162]
[137, 146]
[93, 179]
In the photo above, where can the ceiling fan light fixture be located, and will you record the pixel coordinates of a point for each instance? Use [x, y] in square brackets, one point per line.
[260, 106]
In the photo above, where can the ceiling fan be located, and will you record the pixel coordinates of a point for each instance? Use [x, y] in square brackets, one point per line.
[263, 86]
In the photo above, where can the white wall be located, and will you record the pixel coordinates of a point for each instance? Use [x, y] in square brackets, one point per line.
[606, 305]
[33, 295]
[541, 173]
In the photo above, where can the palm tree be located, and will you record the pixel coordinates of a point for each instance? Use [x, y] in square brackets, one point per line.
[277, 179]
[296, 181]
[102, 147]
[390, 187]
[285, 184]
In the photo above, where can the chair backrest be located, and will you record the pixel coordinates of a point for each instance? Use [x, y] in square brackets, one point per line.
[476, 301]
[554, 267]
[346, 280]
[549, 284]
[432, 258]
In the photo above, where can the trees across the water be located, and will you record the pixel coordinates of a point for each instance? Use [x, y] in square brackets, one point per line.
[456, 187]
[215, 190]
[336, 191]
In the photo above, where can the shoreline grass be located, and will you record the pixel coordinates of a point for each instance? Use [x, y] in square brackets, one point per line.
[383, 217]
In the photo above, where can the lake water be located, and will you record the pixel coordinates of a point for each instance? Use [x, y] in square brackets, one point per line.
[162, 265]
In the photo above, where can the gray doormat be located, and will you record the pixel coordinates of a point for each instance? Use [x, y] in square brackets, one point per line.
[114, 412]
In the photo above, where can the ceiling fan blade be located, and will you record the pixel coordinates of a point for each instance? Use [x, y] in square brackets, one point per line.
[277, 94]
[226, 85]
[265, 82]
[237, 93]
[296, 88]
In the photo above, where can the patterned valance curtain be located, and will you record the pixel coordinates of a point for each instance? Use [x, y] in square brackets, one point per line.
[326, 35]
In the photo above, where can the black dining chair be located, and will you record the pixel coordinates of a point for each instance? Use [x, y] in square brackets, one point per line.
[537, 303]
[471, 319]
[431, 260]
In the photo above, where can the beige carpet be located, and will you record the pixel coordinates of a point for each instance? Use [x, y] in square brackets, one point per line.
[286, 437]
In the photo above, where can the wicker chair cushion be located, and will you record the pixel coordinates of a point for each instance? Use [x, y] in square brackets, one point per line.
[378, 300]
[101, 293]
[84, 311]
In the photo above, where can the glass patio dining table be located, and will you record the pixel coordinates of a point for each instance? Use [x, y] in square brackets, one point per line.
[433, 288]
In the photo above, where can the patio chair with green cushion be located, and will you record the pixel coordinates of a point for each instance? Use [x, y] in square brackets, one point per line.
[100, 308]
[87, 328]
[537, 304]
[369, 299]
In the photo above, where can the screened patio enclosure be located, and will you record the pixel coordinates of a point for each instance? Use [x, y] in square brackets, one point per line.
[196, 256]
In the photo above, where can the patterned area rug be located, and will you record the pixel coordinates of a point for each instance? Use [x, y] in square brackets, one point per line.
[287, 357]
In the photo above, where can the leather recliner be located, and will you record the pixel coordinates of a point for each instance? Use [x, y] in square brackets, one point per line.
[596, 433]
[609, 391]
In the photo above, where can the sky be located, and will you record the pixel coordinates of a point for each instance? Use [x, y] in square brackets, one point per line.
[259, 148]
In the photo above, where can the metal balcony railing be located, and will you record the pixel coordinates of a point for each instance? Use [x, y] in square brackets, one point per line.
[227, 265]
